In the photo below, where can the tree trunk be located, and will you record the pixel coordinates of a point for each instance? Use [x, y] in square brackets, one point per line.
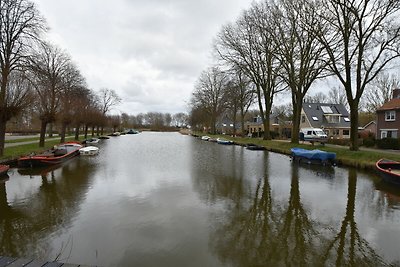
[98, 130]
[86, 130]
[92, 130]
[50, 129]
[102, 130]
[242, 121]
[353, 126]
[296, 120]
[77, 132]
[3, 124]
[234, 123]
[42, 133]
[62, 132]
[266, 122]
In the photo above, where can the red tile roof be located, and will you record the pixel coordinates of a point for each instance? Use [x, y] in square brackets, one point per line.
[392, 104]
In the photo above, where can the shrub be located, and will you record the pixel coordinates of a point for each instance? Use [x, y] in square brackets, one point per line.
[388, 143]
[369, 142]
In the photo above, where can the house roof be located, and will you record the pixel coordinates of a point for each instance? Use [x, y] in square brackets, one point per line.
[391, 104]
[317, 113]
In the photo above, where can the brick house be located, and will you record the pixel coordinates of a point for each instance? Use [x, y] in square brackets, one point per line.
[388, 117]
[334, 119]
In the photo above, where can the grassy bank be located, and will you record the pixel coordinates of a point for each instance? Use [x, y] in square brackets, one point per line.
[360, 159]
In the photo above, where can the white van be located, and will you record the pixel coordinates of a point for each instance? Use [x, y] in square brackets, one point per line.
[313, 135]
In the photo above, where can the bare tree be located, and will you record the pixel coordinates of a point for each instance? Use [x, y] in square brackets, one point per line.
[380, 91]
[20, 27]
[316, 98]
[74, 88]
[338, 96]
[108, 99]
[301, 55]
[210, 93]
[361, 38]
[50, 67]
[248, 46]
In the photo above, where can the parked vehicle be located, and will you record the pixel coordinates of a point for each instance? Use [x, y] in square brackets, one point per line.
[389, 170]
[313, 135]
[91, 141]
[315, 156]
[57, 155]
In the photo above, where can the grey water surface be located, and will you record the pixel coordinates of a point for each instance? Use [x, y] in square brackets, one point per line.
[165, 199]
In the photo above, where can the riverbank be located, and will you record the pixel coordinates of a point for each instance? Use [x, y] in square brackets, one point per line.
[362, 159]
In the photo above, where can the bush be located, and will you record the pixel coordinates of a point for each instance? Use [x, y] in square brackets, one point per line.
[369, 142]
[388, 143]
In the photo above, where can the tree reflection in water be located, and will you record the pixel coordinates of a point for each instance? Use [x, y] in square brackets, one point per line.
[268, 233]
[24, 225]
[348, 248]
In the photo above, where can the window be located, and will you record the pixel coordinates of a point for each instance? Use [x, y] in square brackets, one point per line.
[326, 109]
[332, 119]
[346, 132]
[303, 119]
[335, 131]
[346, 119]
[315, 118]
[390, 115]
[383, 134]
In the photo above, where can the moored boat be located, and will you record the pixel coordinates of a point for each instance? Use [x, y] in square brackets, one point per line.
[91, 141]
[254, 147]
[205, 137]
[4, 169]
[314, 156]
[89, 151]
[389, 170]
[54, 156]
[223, 141]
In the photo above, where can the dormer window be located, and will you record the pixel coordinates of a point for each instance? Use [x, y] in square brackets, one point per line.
[315, 118]
[346, 119]
[390, 115]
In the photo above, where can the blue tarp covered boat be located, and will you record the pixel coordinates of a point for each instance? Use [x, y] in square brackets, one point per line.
[315, 156]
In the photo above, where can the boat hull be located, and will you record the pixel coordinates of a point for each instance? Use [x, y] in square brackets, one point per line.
[4, 169]
[389, 171]
[59, 155]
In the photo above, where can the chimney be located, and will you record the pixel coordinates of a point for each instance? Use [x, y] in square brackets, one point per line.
[396, 93]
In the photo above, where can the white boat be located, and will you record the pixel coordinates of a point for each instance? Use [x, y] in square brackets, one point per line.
[89, 151]
[205, 137]
[223, 141]
[92, 141]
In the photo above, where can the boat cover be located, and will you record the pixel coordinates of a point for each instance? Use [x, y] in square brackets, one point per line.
[313, 154]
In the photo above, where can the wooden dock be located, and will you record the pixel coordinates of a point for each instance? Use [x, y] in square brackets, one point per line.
[15, 262]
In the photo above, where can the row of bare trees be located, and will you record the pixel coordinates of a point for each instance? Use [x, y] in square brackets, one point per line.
[290, 44]
[41, 77]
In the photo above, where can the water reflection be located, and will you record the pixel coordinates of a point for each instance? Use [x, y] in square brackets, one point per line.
[164, 199]
[24, 224]
[348, 247]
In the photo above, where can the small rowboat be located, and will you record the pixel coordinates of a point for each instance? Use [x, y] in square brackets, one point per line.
[389, 170]
[224, 141]
[4, 169]
[315, 156]
[254, 147]
[89, 151]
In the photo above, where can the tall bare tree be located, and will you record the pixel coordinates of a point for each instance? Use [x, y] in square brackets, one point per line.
[108, 99]
[248, 46]
[301, 55]
[50, 67]
[210, 94]
[361, 38]
[21, 26]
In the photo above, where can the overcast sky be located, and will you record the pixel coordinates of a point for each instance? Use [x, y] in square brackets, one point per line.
[150, 52]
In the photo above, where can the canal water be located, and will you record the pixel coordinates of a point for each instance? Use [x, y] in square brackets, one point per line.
[165, 199]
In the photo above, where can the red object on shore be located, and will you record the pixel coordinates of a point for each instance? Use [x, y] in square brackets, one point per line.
[4, 169]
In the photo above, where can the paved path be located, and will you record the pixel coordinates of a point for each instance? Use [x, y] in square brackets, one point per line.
[28, 142]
